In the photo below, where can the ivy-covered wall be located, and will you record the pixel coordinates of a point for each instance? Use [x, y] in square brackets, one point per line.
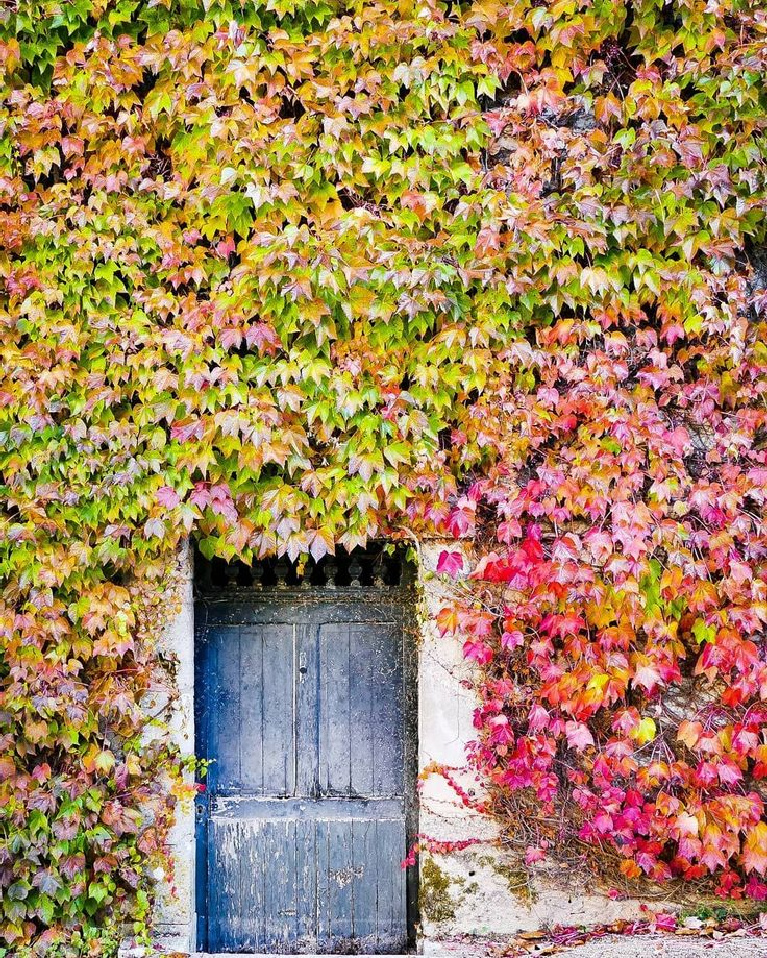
[475, 885]
[287, 275]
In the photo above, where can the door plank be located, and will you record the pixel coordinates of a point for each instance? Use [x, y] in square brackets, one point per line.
[306, 883]
[251, 682]
[307, 720]
[227, 843]
[246, 808]
[335, 729]
[392, 925]
[278, 852]
[324, 925]
[365, 884]
[226, 714]
[362, 713]
[277, 729]
[340, 879]
[252, 885]
[384, 643]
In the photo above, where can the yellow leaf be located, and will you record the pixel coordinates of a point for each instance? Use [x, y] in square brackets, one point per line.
[644, 732]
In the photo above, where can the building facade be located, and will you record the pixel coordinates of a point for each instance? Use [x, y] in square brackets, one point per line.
[313, 799]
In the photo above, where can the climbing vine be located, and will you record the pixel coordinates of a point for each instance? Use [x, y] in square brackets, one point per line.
[289, 276]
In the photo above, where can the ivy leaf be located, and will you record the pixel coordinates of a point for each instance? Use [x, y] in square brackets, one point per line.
[578, 736]
[168, 497]
[450, 562]
[154, 528]
[645, 731]
[480, 651]
[321, 545]
[448, 620]
[19, 890]
[47, 882]
[689, 732]
[754, 856]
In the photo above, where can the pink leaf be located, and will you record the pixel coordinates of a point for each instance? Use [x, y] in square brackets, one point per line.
[168, 497]
[512, 640]
[450, 562]
[647, 676]
[200, 496]
[264, 337]
[479, 651]
[577, 735]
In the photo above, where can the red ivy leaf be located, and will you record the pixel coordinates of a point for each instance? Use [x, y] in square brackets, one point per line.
[450, 562]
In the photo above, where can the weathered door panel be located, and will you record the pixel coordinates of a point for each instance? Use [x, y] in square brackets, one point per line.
[361, 735]
[292, 883]
[305, 720]
[250, 676]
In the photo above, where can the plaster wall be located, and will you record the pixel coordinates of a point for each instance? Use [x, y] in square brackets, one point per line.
[174, 919]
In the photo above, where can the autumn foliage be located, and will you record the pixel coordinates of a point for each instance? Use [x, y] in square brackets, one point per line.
[288, 276]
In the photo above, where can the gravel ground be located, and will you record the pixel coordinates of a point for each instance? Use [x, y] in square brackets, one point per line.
[667, 946]
[618, 946]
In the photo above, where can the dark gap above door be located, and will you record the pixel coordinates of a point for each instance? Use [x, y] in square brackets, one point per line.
[372, 567]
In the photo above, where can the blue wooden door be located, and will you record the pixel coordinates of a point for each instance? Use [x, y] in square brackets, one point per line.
[304, 823]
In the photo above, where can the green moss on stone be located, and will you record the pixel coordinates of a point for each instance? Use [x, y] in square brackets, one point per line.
[434, 899]
[516, 877]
